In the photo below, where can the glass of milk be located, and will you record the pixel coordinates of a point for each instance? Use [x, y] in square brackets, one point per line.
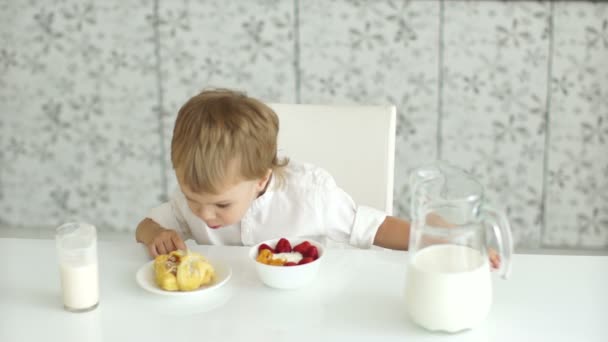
[77, 255]
[448, 284]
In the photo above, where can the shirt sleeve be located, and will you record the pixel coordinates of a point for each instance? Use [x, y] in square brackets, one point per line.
[347, 222]
[170, 215]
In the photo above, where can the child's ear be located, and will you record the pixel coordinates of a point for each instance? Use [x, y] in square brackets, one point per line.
[263, 182]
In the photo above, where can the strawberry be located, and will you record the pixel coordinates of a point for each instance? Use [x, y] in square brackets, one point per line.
[302, 247]
[290, 263]
[283, 246]
[312, 252]
[306, 260]
[264, 246]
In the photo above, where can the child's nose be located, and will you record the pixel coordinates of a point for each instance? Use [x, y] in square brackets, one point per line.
[207, 214]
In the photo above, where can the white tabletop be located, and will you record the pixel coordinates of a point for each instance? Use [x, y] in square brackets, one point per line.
[357, 297]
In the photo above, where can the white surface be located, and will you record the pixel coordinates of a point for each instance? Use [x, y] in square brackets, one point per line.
[362, 136]
[448, 288]
[287, 277]
[356, 297]
[145, 279]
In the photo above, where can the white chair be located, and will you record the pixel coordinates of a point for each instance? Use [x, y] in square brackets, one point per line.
[356, 144]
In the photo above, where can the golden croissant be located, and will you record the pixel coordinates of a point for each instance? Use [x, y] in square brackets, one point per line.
[182, 271]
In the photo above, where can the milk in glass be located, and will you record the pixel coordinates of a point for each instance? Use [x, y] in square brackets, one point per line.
[77, 254]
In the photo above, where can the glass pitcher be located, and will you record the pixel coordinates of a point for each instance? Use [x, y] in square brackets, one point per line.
[448, 283]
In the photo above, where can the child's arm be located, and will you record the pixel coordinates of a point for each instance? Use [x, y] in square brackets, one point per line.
[159, 240]
[394, 233]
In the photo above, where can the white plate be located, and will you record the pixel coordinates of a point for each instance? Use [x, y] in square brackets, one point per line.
[145, 279]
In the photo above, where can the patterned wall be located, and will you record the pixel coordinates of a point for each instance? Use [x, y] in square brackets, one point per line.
[516, 92]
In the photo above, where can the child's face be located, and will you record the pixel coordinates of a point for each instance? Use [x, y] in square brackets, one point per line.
[229, 206]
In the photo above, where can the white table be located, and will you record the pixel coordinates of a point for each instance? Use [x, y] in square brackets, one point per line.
[357, 297]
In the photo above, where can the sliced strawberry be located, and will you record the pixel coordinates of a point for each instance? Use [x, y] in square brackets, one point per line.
[302, 247]
[306, 260]
[312, 252]
[265, 246]
[283, 246]
[290, 263]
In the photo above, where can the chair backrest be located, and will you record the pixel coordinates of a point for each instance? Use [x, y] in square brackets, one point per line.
[356, 144]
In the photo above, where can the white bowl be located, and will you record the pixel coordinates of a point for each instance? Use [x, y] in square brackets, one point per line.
[287, 277]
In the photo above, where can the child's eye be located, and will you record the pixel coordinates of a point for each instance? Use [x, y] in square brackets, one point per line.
[223, 205]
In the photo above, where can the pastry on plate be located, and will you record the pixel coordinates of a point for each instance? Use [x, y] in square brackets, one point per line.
[182, 271]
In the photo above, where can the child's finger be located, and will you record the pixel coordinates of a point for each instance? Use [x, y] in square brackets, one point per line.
[152, 250]
[177, 241]
[494, 258]
[160, 247]
[169, 247]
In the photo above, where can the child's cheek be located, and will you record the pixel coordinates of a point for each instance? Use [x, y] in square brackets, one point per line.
[195, 208]
[232, 216]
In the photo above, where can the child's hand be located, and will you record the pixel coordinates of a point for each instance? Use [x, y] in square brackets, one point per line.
[494, 259]
[165, 241]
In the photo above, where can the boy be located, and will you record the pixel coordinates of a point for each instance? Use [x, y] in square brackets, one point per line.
[235, 190]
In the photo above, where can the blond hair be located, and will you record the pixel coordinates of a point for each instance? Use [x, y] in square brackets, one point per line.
[218, 127]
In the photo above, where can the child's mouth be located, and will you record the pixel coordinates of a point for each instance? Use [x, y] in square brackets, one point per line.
[215, 227]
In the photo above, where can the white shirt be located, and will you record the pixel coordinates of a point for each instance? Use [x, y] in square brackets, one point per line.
[308, 204]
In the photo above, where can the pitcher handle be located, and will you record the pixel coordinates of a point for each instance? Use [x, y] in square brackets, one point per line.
[502, 232]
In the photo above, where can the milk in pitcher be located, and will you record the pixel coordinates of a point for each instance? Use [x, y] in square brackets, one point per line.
[448, 287]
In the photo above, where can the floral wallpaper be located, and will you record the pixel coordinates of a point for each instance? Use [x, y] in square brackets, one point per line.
[494, 89]
[576, 181]
[514, 91]
[363, 52]
[79, 130]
